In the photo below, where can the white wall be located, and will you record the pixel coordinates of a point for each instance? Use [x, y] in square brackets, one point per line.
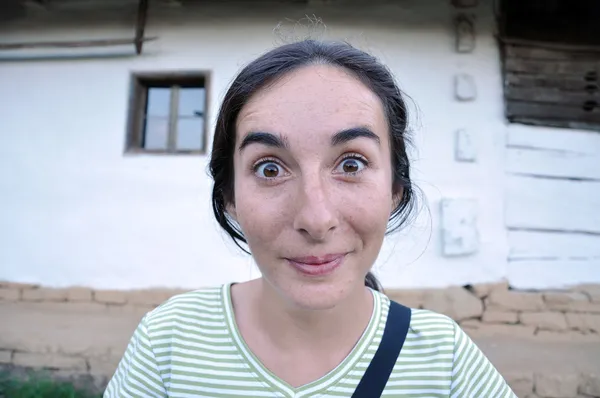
[553, 198]
[76, 211]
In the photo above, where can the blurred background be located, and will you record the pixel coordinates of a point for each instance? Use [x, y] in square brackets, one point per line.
[107, 109]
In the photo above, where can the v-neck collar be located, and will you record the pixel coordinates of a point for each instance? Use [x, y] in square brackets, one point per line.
[315, 387]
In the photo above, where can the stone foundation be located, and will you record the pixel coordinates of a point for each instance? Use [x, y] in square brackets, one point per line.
[497, 309]
[90, 328]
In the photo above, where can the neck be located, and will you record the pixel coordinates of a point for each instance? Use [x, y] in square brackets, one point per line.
[292, 328]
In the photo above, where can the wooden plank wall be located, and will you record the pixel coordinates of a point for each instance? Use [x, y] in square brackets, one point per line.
[553, 205]
[552, 87]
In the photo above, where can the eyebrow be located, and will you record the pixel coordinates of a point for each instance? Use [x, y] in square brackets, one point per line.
[275, 141]
[353, 133]
[263, 138]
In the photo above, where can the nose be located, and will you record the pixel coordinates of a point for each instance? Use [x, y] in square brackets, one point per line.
[316, 216]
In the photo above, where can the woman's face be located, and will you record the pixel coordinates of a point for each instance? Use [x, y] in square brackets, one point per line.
[313, 183]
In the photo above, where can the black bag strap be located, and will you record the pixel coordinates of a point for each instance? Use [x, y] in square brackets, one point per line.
[377, 374]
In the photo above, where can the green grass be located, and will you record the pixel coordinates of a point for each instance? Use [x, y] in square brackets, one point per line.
[40, 386]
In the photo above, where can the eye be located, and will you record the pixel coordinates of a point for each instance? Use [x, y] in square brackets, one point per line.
[352, 164]
[268, 169]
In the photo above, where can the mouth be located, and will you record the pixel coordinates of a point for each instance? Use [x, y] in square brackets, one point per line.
[317, 265]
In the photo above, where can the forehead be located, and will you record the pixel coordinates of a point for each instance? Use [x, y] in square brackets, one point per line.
[315, 97]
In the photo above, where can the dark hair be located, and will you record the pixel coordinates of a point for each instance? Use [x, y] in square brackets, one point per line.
[274, 64]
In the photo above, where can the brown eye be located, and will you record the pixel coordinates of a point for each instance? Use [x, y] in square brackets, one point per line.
[351, 166]
[271, 171]
[268, 170]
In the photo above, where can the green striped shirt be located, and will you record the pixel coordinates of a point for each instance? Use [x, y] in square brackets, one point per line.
[190, 347]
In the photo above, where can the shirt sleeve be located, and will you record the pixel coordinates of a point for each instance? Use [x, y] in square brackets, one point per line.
[473, 375]
[137, 374]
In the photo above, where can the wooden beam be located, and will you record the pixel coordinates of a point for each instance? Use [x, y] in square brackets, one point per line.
[549, 81]
[552, 204]
[140, 25]
[558, 274]
[541, 53]
[549, 45]
[555, 164]
[538, 245]
[554, 96]
[138, 40]
[543, 67]
[554, 111]
[564, 140]
[72, 44]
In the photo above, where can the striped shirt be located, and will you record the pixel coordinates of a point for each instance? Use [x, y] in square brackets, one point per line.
[190, 347]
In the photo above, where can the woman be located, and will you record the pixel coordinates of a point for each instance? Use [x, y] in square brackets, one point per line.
[310, 171]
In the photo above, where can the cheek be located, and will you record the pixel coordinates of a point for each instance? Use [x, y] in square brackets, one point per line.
[367, 209]
[261, 213]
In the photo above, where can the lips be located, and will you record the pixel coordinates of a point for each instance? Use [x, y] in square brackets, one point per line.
[317, 265]
[316, 260]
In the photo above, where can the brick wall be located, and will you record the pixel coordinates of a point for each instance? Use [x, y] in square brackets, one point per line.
[83, 332]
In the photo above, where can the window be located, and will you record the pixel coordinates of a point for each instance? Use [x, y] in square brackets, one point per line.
[551, 62]
[168, 114]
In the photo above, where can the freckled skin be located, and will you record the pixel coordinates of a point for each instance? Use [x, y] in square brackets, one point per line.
[313, 208]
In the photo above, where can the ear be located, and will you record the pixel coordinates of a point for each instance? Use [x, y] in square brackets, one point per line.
[230, 208]
[397, 198]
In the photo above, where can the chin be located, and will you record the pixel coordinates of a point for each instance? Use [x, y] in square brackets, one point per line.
[316, 295]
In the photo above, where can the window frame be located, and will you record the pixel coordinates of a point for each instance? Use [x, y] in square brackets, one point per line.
[141, 82]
